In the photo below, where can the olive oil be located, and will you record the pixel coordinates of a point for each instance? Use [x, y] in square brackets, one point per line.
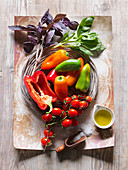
[103, 117]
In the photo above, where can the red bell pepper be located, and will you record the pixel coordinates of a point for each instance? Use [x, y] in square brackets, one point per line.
[53, 74]
[39, 89]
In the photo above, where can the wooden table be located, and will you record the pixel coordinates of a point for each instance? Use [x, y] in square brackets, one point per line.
[110, 158]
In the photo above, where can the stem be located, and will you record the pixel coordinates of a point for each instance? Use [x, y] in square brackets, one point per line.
[38, 57]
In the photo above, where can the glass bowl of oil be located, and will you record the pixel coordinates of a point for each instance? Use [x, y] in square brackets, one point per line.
[103, 117]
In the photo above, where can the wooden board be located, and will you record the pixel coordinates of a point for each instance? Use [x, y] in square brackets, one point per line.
[28, 126]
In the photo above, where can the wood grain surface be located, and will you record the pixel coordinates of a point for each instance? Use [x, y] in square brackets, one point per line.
[108, 159]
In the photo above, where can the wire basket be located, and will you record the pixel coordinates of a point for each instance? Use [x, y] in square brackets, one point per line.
[73, 54]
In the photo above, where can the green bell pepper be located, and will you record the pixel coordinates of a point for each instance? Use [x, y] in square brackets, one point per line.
[69, 65]
[83, 81]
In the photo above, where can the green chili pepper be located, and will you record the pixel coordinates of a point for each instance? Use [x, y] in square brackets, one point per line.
[69, 65]
[83, 81]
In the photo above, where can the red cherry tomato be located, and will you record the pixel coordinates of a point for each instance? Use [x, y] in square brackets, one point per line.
[56, 111]
[47, 117]
[44, 141]
[88, 99]
[83, 105]
[75, 103]
[65, 107]
[74, 122]
[63, 114]
[66, 123]
[48, 133]
[67, 100]
[73, 113]
[81, 96]
[79, 112]
[74, 97]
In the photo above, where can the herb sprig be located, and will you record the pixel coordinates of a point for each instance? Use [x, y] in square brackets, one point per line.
[84, 40]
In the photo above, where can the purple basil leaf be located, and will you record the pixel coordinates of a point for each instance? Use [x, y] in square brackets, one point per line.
[49, 36]
[59, 17]
[32, 33]
[31, 27]
[28, 47]
[44, 30]
[73, 25]
[57, 26]
[18, 28]
[32, 39]
[45, 17]
[58, 33]
[49, 19]
[39, 32]
[66, 21]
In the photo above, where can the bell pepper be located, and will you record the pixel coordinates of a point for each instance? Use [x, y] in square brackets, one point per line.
[54, 59]
[69, 65]
[39, 89]
[83, 81]
[72, 76]
[53, 74]
[61, 87]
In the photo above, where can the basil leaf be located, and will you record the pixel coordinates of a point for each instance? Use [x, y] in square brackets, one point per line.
[93, 45]
[85, 25]
[89, 36]
[83, 50]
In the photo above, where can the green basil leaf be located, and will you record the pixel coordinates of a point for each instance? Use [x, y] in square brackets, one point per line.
[85, 25]
[83, 50]
[93, 45]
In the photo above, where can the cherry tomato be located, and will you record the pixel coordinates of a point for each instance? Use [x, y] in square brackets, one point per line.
[63, 114]
[88, 99]
[83, 105]
[48, 133]
[45, 140]
[79, 112]
[47, 117]
[75, 103]
[66, 123]
[74, 97]
[73, 113]
[81, 96]
[65, 107]
[56, 111]
[74, 122]
[67, 100]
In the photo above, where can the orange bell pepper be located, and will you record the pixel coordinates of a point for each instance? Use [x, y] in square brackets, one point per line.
[61, 87]
[72, 76]
[54, 59]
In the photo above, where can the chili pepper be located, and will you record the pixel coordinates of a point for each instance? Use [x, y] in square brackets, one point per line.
[39, 89]
[72, 76]
[53, 74]
[54, 59]
[69, 65]
[83, 81]
[61, 87]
